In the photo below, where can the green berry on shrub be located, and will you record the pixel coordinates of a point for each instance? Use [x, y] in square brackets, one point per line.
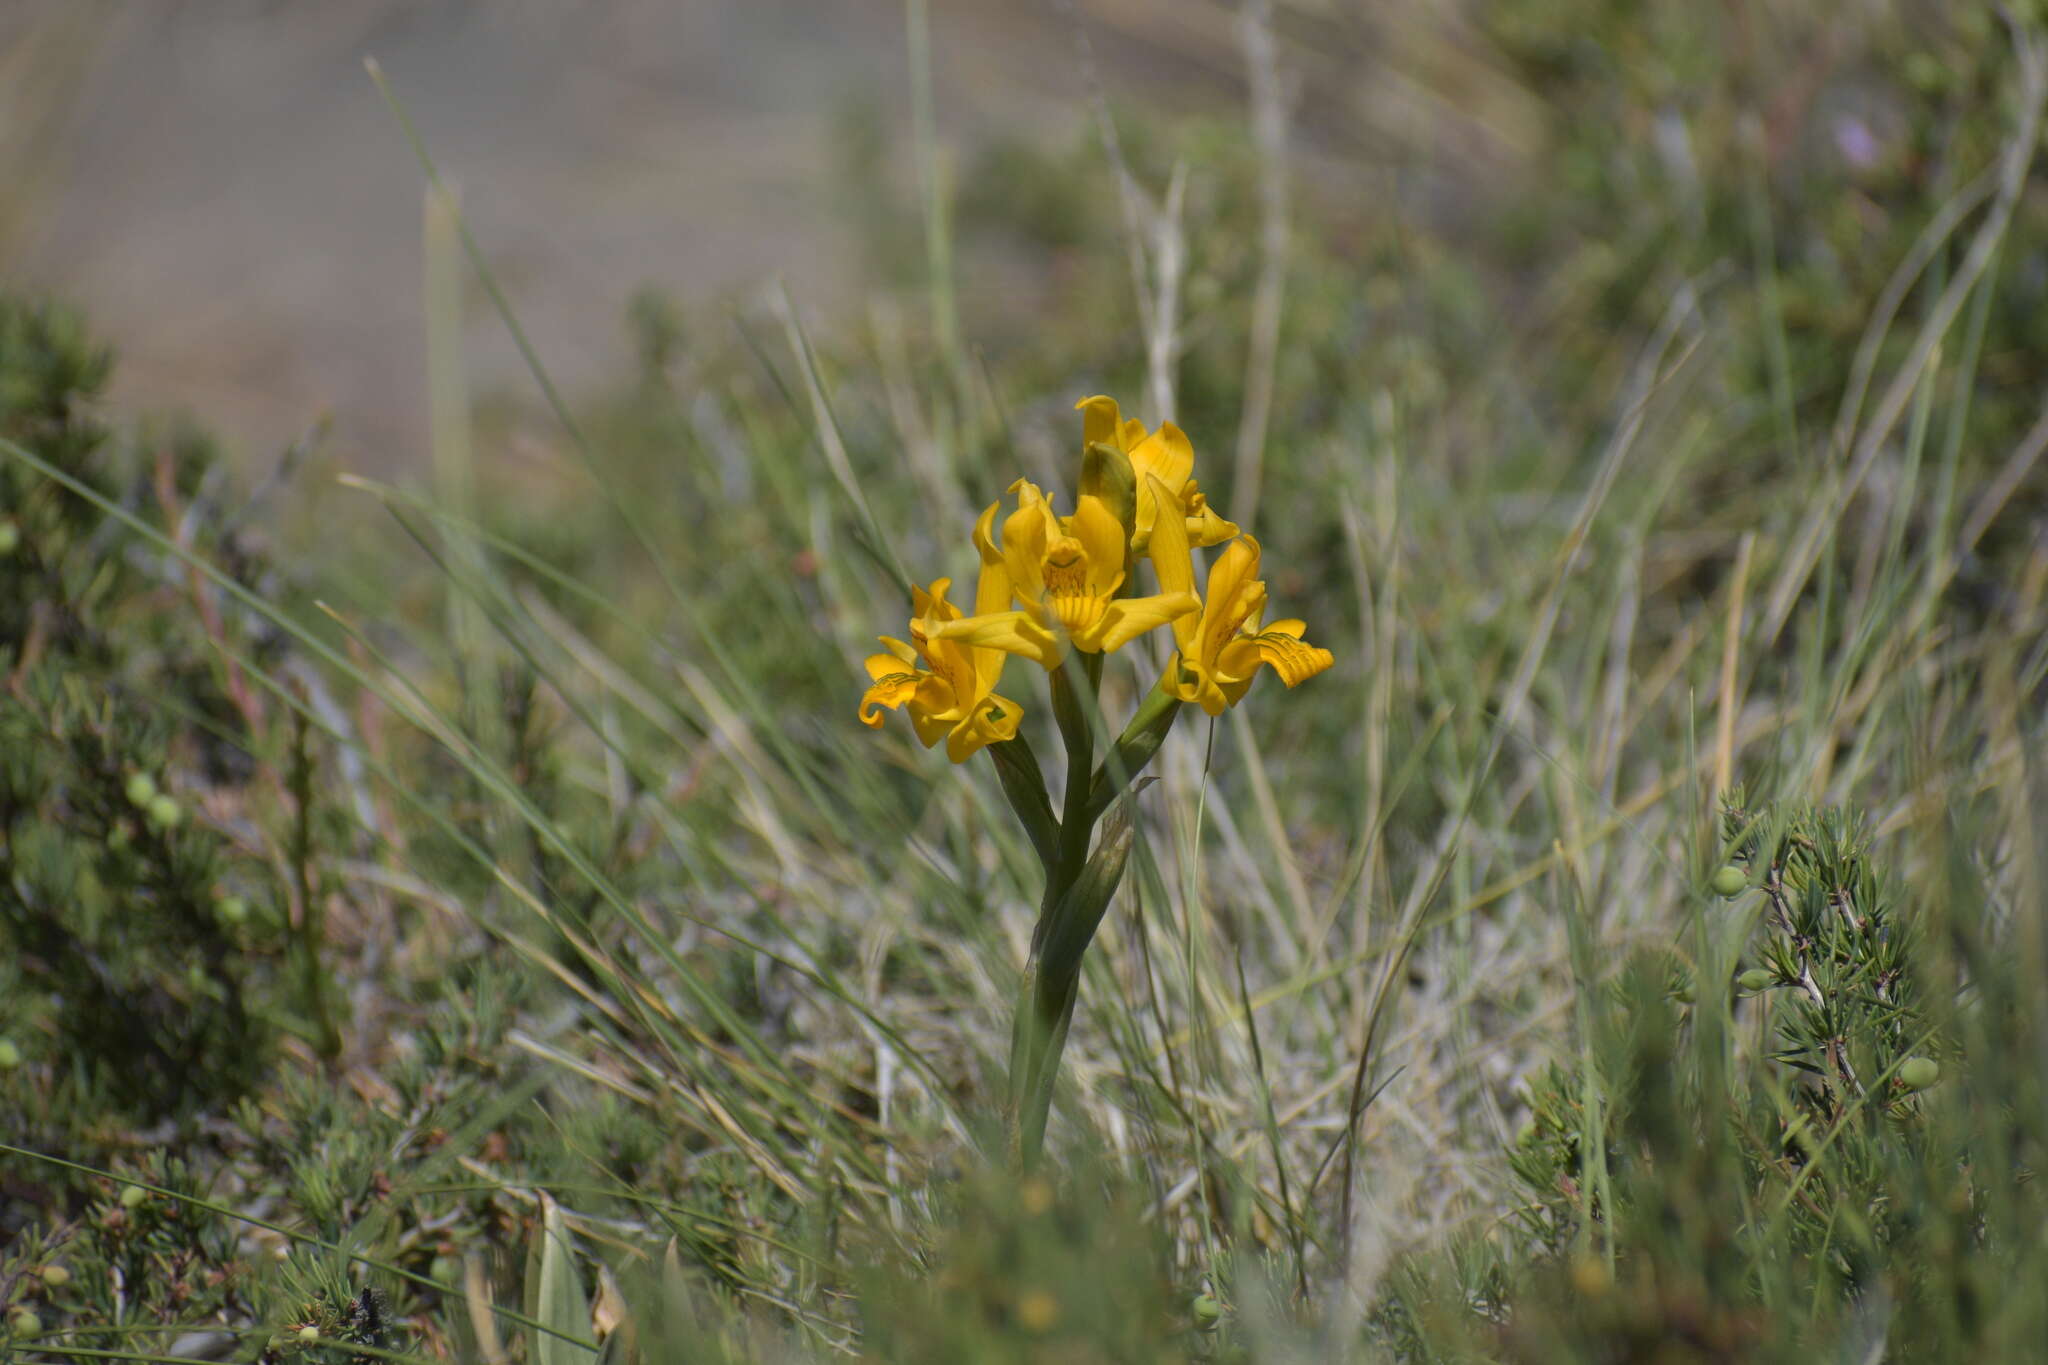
[141, 790]
[309, 1333]
[1729, 882]
[55, 1276]
[25, 1323]
[1755, 979]
[10, 536]
[10, 1055]
[1207, 1312]
[232, 909]
[132, 1196]
[1918, 1073]
[164, 812]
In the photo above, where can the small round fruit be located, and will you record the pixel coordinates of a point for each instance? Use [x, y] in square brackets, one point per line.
[1206, 1311]
[1918, 1073]
[10, 536]
[164, 812]
[140, 789]
[1730, 882]
[25, 1323]
[10, 1054]
[309, 1333]
[232, 909]
[1755, 979]
[132, 1196]
[55, 1276]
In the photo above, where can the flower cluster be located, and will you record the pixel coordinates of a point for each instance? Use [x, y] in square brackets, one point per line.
[1053, 583]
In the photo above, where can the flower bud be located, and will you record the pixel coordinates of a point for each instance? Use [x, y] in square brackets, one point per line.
[1756, 979]
[1206, 1311]
[1106, 473]
[1730, 882]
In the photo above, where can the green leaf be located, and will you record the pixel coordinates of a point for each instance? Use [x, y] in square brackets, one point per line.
[554, 1293]
[1024, 786]
[1134, 749]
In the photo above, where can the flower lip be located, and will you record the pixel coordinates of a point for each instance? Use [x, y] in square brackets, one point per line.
[1222, 650]
[1067, 574]
[947, 685]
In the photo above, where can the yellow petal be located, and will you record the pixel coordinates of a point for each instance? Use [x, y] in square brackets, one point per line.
[1012, 632]
[903, 652]
[1101, 420]
[1025, 534]
[1191, 681]
[993, 720]
[985, 535]
[1281, 647]
[1225, 598]
[935, 709]
[932, 605]
[1168, 453]
[890, 690]
[1294, 659]
[1102, 538]
[1205, 527]
[1172, 561]
[1129, 617]
[930, 727]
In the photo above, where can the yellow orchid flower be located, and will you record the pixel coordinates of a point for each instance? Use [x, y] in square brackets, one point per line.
[1166, 455]
[1066, 573]
[952, 694]
[1222, 648]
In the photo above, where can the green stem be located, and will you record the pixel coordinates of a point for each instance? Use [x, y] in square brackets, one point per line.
[1045, 999]
[1075, 710]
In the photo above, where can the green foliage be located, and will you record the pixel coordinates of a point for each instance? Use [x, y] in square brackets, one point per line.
[121, 977]
[1840, 949]
[1826, 1186]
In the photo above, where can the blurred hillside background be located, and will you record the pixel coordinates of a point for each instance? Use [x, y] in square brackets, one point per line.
[222, 190]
